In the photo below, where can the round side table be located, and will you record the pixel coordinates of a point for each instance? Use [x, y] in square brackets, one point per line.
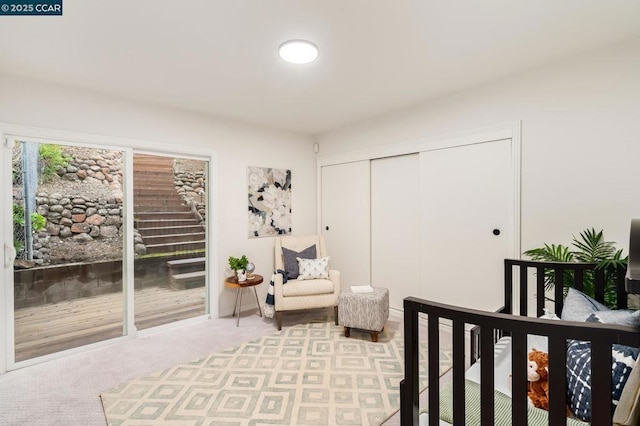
[232, 282]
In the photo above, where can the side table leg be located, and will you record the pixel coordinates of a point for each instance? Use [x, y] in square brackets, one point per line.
[239, 306]
[235, 306]
[257, 301]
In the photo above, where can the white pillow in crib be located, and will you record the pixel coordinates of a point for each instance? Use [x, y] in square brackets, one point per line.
[578, 306]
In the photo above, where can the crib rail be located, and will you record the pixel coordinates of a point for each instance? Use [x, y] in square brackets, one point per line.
[519, 269]
[601, 336]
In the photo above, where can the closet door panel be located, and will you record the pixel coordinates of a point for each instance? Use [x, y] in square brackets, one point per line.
[346, 223]
[466, 198]
[395, 220]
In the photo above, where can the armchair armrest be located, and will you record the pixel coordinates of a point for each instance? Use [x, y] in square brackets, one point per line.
[277, 287]
[334, 276]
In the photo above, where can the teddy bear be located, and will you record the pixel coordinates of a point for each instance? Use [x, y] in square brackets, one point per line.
[538, 377]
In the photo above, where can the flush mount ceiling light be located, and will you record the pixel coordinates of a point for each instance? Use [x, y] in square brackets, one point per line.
[298, 51]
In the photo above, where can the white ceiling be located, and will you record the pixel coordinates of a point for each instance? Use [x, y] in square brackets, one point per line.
[220, 56]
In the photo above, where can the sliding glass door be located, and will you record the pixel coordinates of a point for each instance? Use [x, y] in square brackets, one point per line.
[67, 212]
[106, 242]
[169, 197]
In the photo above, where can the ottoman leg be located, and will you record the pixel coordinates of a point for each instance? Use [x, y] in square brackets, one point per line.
[374, 336]
[335, 313]
[347, 331]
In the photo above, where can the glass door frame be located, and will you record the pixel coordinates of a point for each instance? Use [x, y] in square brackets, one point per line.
[8, 135]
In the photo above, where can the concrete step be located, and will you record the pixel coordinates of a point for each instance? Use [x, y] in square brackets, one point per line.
[175, 247]
[188, 280]
[190, 261]
[163, 215]
[155, 186]
[169, 230]
[146, 201]
[142, 224]
[152, 159]
[183, 266]
[145, 195]
[151, 208]
[153, 177]
[173, 238]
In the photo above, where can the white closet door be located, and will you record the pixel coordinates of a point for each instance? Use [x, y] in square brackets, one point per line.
[466, 195]
[346, 220]
[395, 220]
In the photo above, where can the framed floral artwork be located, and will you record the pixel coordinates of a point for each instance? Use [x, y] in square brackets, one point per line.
[269, 201]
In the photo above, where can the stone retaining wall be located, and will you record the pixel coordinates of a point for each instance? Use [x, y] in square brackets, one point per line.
[83, 218]
[191, 186]
[100, 166]
[80, 218]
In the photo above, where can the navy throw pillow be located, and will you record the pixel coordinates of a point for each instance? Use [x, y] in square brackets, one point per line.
[291, 263]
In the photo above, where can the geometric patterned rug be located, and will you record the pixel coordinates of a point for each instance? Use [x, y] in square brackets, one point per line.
[308, 374]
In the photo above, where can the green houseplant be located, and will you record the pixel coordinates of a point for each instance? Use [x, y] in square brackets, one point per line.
[238, 263]
[589, 247]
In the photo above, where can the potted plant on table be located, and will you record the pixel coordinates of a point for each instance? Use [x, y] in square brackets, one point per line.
[239, 265]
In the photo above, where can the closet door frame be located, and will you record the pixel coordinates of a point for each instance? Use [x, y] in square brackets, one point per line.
[498, 132]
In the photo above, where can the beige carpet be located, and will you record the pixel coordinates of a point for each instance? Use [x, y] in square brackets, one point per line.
[309, 374]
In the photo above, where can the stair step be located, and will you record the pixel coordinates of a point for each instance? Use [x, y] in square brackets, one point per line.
[183, 247]
[170, 230]
[155, 202]
[141, 224]
[188, 280]
[173, 238]
[151, 208]
[163, 215]
[151, 195]
[187, 261]
[146, 187]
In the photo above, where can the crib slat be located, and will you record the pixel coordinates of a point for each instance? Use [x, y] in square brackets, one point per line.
[487, 408]
[508, 286]
[433, 368]
[620, 288]
[458, 374]
[409, 401]
[540, 290]
[601, 373]
[524, 309]
[599, 284]
[557, 381]
[519, 378]
[559, 290]
[578, 279]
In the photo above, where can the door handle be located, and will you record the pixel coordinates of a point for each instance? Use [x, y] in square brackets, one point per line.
[9, 255]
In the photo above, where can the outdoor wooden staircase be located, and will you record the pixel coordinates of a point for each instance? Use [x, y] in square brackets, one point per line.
[167, 226]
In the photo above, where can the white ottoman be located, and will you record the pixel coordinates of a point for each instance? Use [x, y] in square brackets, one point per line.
[366, 311]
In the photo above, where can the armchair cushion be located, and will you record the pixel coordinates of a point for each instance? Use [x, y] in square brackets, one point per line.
[307, 288]
[291, 263]
[311, 269]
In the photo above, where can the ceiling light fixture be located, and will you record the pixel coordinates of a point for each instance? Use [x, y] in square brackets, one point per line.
[298, 51]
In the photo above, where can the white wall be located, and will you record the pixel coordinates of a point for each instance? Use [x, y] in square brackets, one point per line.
[580, 139]
[30, 103]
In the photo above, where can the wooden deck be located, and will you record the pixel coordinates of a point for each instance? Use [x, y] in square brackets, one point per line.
[46, 329]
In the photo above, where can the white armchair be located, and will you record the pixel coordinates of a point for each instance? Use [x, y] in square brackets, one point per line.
[308, 293]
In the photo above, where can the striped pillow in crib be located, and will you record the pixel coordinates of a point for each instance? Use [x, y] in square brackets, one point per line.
[623, 359]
